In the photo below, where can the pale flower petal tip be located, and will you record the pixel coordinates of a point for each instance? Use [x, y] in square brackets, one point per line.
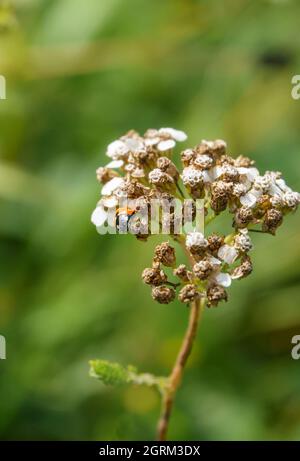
[248, 200]
[99, 216]
[112, 185]
[166, 145]
[228, 253]
[115, 164]
[116, 148]
[178, 135]
[223, 279]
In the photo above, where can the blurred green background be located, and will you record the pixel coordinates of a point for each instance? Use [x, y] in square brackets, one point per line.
[79, 74]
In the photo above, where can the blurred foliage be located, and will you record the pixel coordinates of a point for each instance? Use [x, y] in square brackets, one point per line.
[80, 73]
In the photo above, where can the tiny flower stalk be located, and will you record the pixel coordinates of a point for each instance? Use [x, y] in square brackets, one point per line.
[141, 170]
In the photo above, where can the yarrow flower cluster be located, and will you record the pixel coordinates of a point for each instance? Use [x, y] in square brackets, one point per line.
[141, 169]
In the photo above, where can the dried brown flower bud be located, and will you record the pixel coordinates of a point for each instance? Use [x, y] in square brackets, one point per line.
[244, 162]
[219, 147]
[188, 293]
[182, 273]
[220, 192]
[165, 165]
[134, 189]
[229, 173]
[203, 161]
[154, 276]
[204, 148]
[203, 269]
[242, 241]
[105, 174]
[272, 220]
[243, 270]
[163, 294]
[214, 243]
[165, 254]
[225, 159]
[187, 156]
[215, 294]
[196, 243]
[238, 190]
[243, 217]
[160, 179]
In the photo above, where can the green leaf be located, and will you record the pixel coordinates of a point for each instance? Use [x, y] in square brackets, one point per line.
[111, 373]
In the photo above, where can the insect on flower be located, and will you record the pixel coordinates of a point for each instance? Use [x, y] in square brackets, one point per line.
[123, 216]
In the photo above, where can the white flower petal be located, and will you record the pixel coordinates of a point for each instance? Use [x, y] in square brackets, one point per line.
[274, 190]
[166, 145]
[218, 171]
[251, 173]
[99, 216]
[112, 185]
[256, 192]
[283, 186]
[178, 135]
[115, 164]
[213, 172]
[115, 148]
[109, 202]
[248, 200]
[152, 141]
[228, 253]
[223, 279]
[134, 145]
[214, 261]
[195, 239]
[207, 177]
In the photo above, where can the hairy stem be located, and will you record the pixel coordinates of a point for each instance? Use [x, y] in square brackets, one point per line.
[178, 368]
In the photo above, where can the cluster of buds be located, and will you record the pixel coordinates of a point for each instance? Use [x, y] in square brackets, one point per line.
[215, 261]
[141, 169]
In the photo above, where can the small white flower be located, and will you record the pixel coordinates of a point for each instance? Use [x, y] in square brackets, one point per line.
[112, 185]
[291, 199]
[117, 149]
[248, 200]
[178, 135]
[207, 176]
[283, 186]
[203, 161]
[214, 172]
[218, 171]
[152, 141]
[228, 253]
[166, 145]
[242, 241]
[196, 239]
[250, 173]
[115, 164]
[191, 176]
[156, 175]
[134, 145]
[223, 279]
[99, 216]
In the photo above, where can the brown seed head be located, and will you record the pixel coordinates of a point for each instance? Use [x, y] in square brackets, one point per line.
[163, 294]
[188, 293]
[165, 254]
